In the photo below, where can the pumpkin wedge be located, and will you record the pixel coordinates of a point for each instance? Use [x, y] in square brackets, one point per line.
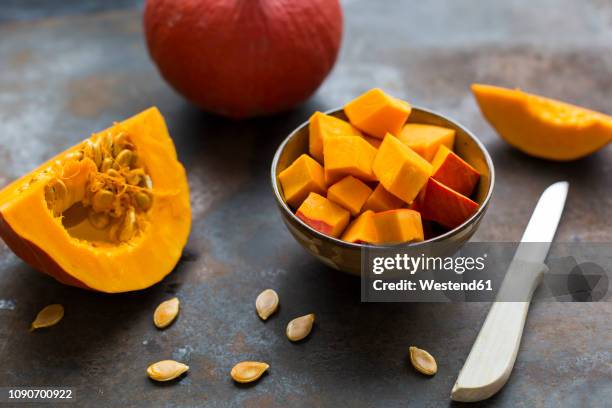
[543, 127]
[110, 214]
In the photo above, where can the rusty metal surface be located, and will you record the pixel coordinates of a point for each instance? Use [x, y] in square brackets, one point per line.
[64, 77]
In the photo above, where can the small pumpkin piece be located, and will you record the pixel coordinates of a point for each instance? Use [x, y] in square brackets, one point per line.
[350, 193]
[302, 177]
[348, 155]
[166, 370]
[426, 139]
[300, 327]
[323, 215]
[361, 230]
[423, 361]
[49, 316]
[454, 172]
[399, 169]
[397, 226]
[322, 126]
[166, 312]
[266, 303]
[377, 113]
[382, 200]
[444, 205]
[248, 371]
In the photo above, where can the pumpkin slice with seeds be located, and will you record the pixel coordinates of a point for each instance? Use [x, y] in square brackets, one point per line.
[111, 213]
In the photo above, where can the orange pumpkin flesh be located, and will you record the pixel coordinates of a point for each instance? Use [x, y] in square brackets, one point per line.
[63, 244]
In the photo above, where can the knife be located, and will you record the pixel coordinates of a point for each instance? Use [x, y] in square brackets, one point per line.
[493, 354]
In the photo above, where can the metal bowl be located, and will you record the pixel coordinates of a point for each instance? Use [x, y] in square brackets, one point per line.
[346, 256]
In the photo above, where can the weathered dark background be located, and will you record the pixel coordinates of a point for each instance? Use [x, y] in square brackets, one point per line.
[70, 68]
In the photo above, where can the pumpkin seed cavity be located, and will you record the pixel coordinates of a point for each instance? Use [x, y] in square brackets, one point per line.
[111, 202]
[422, 361]
[300, 327]
[248, 371]
[49, 316]
[166, 312]
[266, 303]
[166, 370]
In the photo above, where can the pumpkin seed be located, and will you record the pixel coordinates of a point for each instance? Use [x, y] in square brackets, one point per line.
[128, 227]
[135, 160]
[102, 200]
[166, 370]
[248, 371]
[98, 220]
[124, 158]
[300, 327]
[50, 315]
[143, 200]
[97, 153]
[266, 303]
[113, 173]
[423, 361]
[133, 178]
[166, 312]
[56, 190]
[147, 182]
[107, 164]
[106, 143]
[120, 143]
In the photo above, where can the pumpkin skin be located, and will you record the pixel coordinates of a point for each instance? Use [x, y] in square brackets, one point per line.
[244, 58]
[37, 236]
[543, 127]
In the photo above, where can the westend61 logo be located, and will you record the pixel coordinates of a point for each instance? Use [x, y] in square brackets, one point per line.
[412, 264]
[573, 272]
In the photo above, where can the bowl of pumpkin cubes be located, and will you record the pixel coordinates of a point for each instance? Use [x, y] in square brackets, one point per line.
[380, 172]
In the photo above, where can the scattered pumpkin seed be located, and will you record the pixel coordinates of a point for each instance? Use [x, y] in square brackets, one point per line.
[102, 200]
[128, 227]
[266, 303]
[300, 327]
[107, 164]
[423, 361]
[248, 371]
[166, 370]
[49, 316]
[124, 158]
[143, 200]
[113, 173]
[166, 312]
[98, 220]
[147, 182]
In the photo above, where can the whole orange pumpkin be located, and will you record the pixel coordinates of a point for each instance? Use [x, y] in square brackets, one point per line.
[243, 58]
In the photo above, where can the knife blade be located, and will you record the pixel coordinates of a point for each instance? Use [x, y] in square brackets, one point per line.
[490, 362]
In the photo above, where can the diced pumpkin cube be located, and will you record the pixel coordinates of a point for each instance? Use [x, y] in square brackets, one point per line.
[322, 126]
[400, 225]
[426, 139]
[361, 230]
[302, 177]
[382, 200]
[399, 169]
[350, 193]
[323, 215]
[445, 206]
[377, 113]
[348, 155]
[454, 172]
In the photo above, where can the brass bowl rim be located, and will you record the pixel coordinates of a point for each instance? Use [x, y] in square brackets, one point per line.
[449, 234]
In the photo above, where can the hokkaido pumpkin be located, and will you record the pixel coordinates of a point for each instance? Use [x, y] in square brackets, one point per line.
[244, 58]
[110, 214]
[543, 127]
